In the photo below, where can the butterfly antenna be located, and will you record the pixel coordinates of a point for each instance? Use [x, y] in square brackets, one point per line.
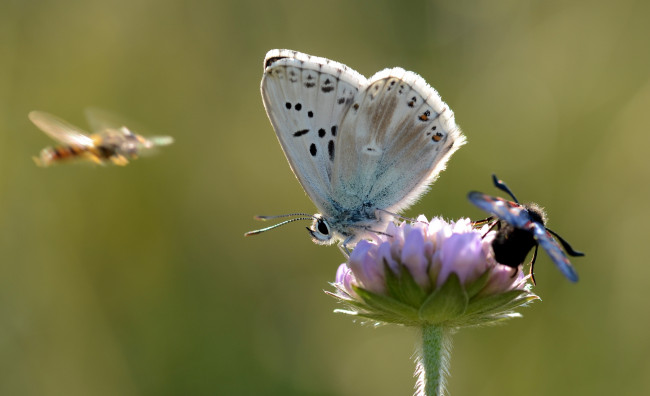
[566, 245]
[502, 186]
[264, 218]
[255, 232]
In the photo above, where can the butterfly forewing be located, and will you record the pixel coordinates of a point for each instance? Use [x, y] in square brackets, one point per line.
[305, 98]
[400, 134]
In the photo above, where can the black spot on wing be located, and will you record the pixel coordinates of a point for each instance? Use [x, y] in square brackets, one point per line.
[328, 86]
[300, 132]
[411, 103]
[310, 83]
[333, 130]
[321, 132]
[292, 76]
[330, 149]
[312, 150]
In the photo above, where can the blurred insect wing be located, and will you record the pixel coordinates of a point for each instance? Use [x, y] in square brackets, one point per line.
[60, 130]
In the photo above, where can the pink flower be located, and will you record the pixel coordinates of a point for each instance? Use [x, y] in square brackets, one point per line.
[430, 271]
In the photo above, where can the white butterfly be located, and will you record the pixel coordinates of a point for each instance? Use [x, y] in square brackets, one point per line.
[362, 149]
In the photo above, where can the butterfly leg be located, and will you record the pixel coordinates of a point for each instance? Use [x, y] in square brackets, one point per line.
[395, 215]
[532, 266]
[343, 247]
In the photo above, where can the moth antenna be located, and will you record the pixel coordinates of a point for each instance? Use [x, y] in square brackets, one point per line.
[255, 232]
[566, 245]
[502, 186]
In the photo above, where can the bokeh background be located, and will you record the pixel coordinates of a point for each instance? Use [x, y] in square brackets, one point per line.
[138, 280]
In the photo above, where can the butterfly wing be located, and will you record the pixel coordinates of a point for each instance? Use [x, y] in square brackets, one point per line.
[394, 140]
[508, 211]
[60, 130]
[552, 247]
[305, 98]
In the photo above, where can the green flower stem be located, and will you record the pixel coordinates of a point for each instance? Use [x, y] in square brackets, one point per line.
[432, 362]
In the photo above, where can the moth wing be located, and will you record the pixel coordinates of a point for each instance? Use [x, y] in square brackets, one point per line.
[109, 125]
[305, 98]
[508, 211]
[552, 247]
[101, 120]
[60, 130]
[394, 141]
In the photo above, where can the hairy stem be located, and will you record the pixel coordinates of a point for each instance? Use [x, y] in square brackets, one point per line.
[432, 361]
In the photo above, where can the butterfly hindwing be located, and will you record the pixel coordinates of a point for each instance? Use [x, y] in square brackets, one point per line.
[399, 135]
[305, 98]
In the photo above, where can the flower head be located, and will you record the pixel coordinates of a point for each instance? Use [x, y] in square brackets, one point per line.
[431, 272]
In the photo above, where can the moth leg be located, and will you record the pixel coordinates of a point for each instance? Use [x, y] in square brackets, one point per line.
[496, 224]
[482, 222]
[532, 266]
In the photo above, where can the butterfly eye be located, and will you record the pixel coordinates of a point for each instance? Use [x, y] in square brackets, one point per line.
[322, 227]
[320, 231]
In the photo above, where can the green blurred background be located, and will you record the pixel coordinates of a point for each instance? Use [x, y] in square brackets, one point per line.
[138, 280]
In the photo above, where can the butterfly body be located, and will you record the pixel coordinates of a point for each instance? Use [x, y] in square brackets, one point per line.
[361, 148]
[520, 228]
